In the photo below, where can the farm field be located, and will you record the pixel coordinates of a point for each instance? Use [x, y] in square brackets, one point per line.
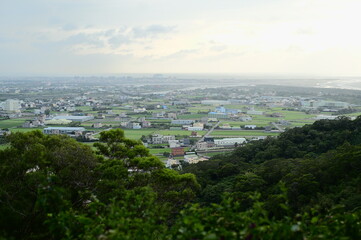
[137, 133]
[10, 123]
[25, 129]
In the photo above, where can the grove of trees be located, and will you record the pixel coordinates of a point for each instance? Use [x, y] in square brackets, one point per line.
[305, 184]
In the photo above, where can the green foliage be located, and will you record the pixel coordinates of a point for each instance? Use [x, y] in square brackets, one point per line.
[303, 185]
[52, 187]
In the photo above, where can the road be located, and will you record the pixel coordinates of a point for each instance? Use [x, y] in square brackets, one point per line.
[278, 127]
[205, 135]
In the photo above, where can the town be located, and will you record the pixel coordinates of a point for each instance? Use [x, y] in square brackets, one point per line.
[180, 123]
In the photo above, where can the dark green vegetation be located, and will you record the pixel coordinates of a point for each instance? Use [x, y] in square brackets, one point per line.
[303, 185]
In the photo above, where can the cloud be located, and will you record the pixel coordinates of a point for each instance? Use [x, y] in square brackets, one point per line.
[151, 31]
[182, 53]
[69, 27]
[116, 40]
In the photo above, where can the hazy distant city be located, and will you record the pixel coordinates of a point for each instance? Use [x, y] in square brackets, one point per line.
[180, 118]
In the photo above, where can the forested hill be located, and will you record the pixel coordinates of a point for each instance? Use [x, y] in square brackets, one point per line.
[320, 165]
[305, 184]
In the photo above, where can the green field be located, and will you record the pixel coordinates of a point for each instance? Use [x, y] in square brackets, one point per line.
[25, 129]
[155, 151]
[11, 123]
[137, 133]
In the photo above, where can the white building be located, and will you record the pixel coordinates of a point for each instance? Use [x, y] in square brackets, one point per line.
[74, 118]
[173, 143]
[166, 139]
[202, 145]
[11, 105]
[191, 159]
[157, 139]
[195, 128]
[182, 122]
[171, 162]
[215, 102]
[254, 112]
[63, 130]
[139, 110]
[229, 141]
[322, 117]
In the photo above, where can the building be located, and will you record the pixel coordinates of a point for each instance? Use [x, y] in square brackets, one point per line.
[64, 130]
[146, 124]
[250, 126]
[166, 139]
[182, 122]
[323, 117]
[31, 124]
[192, 159]
[173, 143]
[157, 139]
[215, 102]
[133, 125]
[177, 151]
[313, 104]
[202, 145]
[171, 162]
[245, 118]
[11, 105]
[139, 110]
[74, 118]
[97, 125]
[172, 115]
[218, 115]
[254, 112]
[195, 128]
[229, 142]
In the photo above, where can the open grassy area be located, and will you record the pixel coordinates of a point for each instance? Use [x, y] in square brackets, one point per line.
[25, 129]
[11, 123]
[159, 150]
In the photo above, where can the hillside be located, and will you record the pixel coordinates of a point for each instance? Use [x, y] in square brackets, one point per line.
[304, 184]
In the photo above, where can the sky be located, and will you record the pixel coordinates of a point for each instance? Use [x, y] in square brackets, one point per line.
[295, 37]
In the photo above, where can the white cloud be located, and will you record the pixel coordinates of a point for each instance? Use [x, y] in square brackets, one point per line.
[300, 36]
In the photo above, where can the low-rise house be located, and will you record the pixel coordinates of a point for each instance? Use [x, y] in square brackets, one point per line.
[177, 151]
[192, 159]
[172, 115]
[202, 145]
[146, 124]
[173, 143]
[139, 110]
[250, 126]
[157, 139]
[171, 162]
[133, 125]
[97, 125]
[245, 118]
[167, 138]
[254, 112]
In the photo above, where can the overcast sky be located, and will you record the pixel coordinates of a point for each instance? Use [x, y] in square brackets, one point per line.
[312, 37]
